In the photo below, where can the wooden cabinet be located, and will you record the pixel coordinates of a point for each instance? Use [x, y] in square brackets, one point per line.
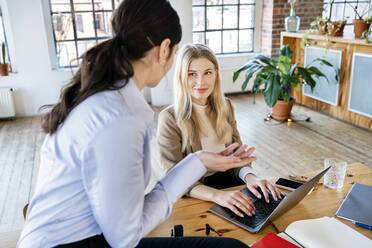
[349, 46]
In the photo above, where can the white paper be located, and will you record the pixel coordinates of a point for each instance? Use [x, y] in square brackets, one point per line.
[326, 232]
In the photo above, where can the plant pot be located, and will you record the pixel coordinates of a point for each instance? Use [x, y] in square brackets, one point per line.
[359, 27]
[4, 69]
[282, 110]
[336, 28]
[322, 28]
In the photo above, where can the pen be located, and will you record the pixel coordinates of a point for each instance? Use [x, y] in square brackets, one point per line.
[363, 225]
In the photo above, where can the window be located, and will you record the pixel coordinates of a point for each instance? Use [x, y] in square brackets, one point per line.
[226, 26]
[3, 39]
[78, 25]
[343, 10]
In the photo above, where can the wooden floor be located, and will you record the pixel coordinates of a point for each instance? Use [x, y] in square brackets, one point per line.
[281, 149]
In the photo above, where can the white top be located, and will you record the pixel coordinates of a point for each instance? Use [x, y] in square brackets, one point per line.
[94, 171]
[210, 142]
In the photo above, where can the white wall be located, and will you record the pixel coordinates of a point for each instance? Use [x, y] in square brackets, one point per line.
[36, 83]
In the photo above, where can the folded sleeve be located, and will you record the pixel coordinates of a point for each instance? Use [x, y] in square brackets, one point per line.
[113, 175]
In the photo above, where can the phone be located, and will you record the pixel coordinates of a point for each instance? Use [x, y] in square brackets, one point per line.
[288, 184]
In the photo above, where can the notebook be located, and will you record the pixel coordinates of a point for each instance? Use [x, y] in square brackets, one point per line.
[357, 206]
[272, 240]
[324, 232]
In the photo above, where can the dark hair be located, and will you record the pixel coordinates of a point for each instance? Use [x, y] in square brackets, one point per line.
[138, 26]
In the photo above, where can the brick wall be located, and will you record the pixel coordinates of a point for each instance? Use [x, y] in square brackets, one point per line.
[273, 15]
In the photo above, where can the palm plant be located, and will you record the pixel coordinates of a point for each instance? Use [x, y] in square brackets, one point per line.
[280, 75]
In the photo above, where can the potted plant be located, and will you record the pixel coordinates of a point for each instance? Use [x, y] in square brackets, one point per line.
[280, 76]
[360, 25]
[335, 28]
[4, 67]
[319, 25]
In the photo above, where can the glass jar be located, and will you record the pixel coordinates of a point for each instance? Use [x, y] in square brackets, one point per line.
[292, 22]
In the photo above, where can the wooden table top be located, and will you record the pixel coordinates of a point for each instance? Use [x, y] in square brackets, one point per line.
[193, 214]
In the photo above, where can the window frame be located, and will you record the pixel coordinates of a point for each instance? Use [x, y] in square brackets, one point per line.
[345, 3]
[7, 49]
[256, 27]
[230, 61]
[51, 38]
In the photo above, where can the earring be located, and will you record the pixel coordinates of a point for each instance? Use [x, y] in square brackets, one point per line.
[162, 62]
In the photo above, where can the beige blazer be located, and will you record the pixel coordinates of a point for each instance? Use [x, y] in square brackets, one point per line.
[169, 139]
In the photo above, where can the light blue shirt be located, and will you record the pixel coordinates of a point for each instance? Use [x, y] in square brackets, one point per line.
[94, 171]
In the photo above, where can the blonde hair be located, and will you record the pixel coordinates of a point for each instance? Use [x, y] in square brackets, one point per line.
[217, 108]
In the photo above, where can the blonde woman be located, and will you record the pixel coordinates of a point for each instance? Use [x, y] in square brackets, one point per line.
[203, 119]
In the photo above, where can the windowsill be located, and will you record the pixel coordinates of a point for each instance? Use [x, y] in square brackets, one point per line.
[234, 61]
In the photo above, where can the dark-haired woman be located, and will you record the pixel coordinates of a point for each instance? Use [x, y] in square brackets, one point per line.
[95, 160]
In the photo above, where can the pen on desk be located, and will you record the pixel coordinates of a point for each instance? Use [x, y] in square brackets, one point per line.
[362, 225]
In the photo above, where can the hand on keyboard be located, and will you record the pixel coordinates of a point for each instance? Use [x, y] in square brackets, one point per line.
[262, 187]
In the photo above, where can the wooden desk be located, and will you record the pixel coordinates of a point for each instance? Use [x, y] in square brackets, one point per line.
[193, 214]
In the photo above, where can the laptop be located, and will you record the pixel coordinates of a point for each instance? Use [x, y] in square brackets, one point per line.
[267, 212]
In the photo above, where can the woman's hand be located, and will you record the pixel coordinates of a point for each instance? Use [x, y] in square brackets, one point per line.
[253, 182]
[234, 199]
[224, 160]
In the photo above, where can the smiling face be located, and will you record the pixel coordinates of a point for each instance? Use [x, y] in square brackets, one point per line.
[201, 80]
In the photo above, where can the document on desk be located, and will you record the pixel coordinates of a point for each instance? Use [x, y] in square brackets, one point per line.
[326, 232]
[357, 205]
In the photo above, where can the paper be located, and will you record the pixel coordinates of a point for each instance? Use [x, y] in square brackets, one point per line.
[326, 232]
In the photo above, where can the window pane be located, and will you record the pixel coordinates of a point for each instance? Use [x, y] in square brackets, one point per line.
[230, 1]
[349, 29]
[230, 17]
[198, 2]
[82, 5]
[213, 40]
[103, 24]
[60, 5]
[214, 17]
[198, 38]
[66, 53]
[245, 40]
[117, 2]
[2, 39]
[337, 12]
[214, 2]
[85, 45]
[63, 29]
[84, 25]
[198, 18]
[363, 9]
[349, 12]
[246, 16]
[103, 5]
[230, 41]
[247, 1]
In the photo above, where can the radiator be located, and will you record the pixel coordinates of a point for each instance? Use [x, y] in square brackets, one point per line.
[7, 109]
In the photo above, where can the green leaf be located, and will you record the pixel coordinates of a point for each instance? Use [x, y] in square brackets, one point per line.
[285, 60]
[249, 73]
[306, 77]
[286, 51]
[286, 98]
[294, 81]
[258, 81]
[273, 89]
[322, 61]
[263, 59]
[284, 68]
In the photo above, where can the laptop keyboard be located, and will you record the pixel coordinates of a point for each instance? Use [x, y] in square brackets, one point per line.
[263, 210]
